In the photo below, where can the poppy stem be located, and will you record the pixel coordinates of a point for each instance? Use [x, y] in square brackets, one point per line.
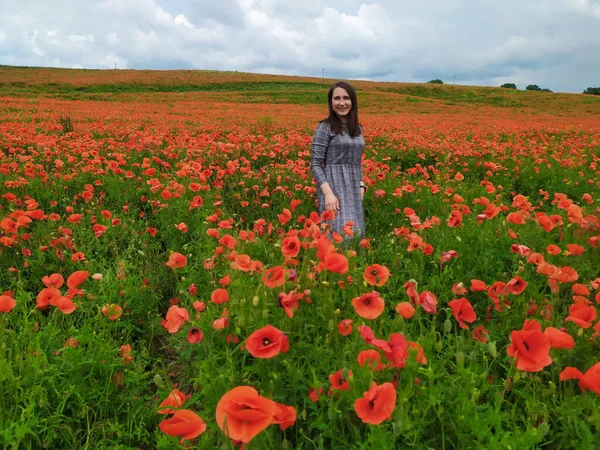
[442, 425]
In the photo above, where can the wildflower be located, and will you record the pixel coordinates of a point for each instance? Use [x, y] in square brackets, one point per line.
[377, 403]
[589, 380]
[531, 347]
[267, 342]
[405, 309]
[242, 413]
[376, 275]
[369, 305]
[462, 311]
[176, 261]
[184, 423]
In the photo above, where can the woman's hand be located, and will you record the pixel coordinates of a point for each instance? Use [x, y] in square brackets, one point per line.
[362, 194]
[331, 202]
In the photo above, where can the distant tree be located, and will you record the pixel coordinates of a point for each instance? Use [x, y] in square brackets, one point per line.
[509, 86]
[592, 91]
[546, 90]
[533, 87]
[436, 81]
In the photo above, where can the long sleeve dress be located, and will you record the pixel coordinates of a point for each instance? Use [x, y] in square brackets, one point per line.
[336, 159]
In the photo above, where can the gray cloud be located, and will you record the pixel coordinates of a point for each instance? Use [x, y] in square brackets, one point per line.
[552, 43]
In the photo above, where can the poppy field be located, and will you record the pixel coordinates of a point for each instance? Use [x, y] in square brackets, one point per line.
[167, 282]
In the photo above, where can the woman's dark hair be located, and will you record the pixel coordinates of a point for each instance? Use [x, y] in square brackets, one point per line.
[334, 121]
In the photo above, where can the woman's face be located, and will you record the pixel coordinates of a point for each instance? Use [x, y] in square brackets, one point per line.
[341, 102]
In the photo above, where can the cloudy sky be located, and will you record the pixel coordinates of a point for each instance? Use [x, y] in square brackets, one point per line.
[552, 43]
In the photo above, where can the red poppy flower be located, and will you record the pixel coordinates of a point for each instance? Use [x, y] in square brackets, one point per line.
[377, 403]
[574, 250]
[478, 286]
[516, 285]
[45, 296]
[176, 261]
[369, 305]
[516, 218]
[65, 304]
[559, 339]
[243, 263]
[398, 353]
[340, 381]
[480, 334]
[462, 311]
[372, 358]
[219, 296]
[376, 275]
[195, 336]
[285, 416]
[228, 241]
[55, 280]
[536, 258]
[328, 215]
[335, 262]
[420, 353]
[267, 342]
[313, 394]
[7, 303]
[580, 289]
[290, 247]
[428, 302]
[175, 318]
[531, 348]
[112, 311]
[174, 400]
[410, 288]
[581, 314]
[77, 278]
[366, 333]
[184, 423]
[274, 277]
[345, 327]
[589, 380]
[242, 413]
[405, 309]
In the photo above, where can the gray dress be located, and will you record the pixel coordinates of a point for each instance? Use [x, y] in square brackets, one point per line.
[336, 159]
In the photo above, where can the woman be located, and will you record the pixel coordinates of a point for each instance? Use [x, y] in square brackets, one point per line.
[337, 149]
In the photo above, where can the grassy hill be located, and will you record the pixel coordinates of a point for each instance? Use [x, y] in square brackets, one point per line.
[86, 84]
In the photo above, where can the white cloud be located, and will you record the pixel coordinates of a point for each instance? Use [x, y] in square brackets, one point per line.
[549, 43]
[182, 20]
[81, 38]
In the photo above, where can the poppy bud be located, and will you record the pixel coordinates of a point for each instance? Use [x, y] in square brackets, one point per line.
[330, 325]
[438, 346]
[255, 300]
[158, 381]
[265, 314]
[516, 377]
[338, 312]
[492, 349]
[241, 322]
[447, 326]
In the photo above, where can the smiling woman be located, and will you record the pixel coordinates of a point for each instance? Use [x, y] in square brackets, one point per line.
[337, 149]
